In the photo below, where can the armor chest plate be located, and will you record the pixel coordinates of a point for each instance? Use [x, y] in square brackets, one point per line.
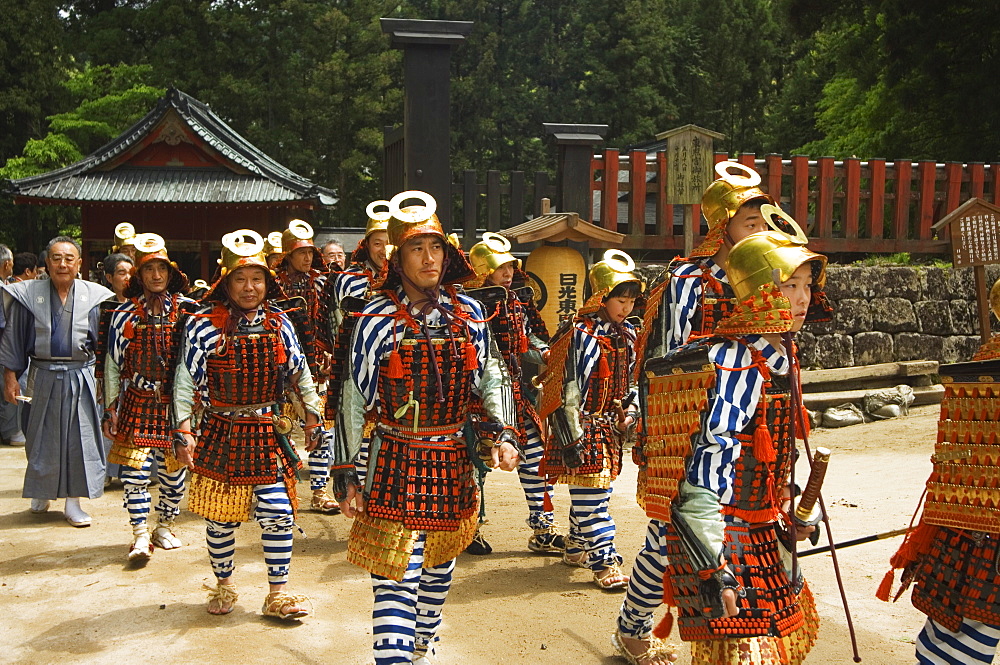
[508, 331]
[712, 308]
[433, 393]
[604, 389]
[246, 370]
[152, 351]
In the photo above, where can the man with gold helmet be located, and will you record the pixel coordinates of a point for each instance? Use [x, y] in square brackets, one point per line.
[272, 249]
[239, 354]
[699, 294]
[300, 275]
[141, 352]
[716, 496]
[496, 270]
[952, 556]
[124, 240]
[590, 372]
[419, 352]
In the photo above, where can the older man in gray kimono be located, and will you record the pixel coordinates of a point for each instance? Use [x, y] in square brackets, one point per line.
[52, 332]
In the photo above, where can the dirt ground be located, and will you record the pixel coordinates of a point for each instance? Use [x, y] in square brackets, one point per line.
[68, 596]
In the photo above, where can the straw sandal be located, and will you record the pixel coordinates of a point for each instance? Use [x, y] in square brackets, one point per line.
[224, 595]
[278, 601]
[575, 560]
[658, 649]
[612, 578]
[547, 540]
[322, 502]
[164, 538]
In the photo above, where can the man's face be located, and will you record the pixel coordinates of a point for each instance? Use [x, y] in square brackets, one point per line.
[63, 263]
[377, 243]
[119, 278]
[6, 269]
[422, 260]
[618, 308]
[30, 273]
[798, 290]
[334, 253]
[154, 276]
[247, 287]
[300, 260]
[747, 220]
[502, 276]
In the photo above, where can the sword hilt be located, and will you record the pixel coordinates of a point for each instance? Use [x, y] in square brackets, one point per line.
[806, 512]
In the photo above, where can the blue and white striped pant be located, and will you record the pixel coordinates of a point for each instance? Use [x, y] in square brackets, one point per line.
[645, 587]
[591, 528]
[319, 467]
[406, 614]
[535, 486]
[273, 511]
[136, 497]
[975, 642]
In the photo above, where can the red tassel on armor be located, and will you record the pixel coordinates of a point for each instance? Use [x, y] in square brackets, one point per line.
[523, 346]
[662, 630]
[282, 356]
[603, 370]
[804, 426]
[885, 587]
[471, 361]
[763, 446]
[547, 503]
[395, 365]
[129, 331]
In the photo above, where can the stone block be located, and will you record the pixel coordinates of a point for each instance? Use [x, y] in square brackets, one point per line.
[872, 348]
[914, 346]
[834, 351]
[852, 315]
[806, 341]
[893, 315]
[934, 317]
[962, 317]
[959, 349]
[897, 282]
[961, 283]
[849, 282]
[934, 284]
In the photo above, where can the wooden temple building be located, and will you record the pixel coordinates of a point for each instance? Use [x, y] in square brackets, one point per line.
[183, 173]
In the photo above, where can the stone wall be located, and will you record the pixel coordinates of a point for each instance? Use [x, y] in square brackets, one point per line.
[893, 313]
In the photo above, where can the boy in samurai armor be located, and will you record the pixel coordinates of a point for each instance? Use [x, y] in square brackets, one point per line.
[141, 354]
[590, 378]
[699, 295]
[496, 271]
[298, 276]
[714, 477]
[240, 354]
[953, 556]
[420, 351]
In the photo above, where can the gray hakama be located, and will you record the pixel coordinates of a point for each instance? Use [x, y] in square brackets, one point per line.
[64, 447]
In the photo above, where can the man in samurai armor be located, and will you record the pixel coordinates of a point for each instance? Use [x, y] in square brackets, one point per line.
[419, 353]
[590, 380]
[715, 468]
[140, 355]
[51, 333]
[952, 558]
[699, 295]
[300, 276]
[497, 271]
[240, 354]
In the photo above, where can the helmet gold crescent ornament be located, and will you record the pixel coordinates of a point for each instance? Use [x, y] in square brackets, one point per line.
[298, 234]
[756, 268]
[124, 233]
[490, 253]
[273, 243]
[412, 221]
[151, 247]
[240, 249]
[616, 267]
[378, 220]
[723, 198]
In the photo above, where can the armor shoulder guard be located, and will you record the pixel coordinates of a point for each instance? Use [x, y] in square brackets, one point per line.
[107, 309]
[550, 381]
[677, 388]
[488, 296]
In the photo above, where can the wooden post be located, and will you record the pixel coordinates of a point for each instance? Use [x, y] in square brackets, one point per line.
[688, 230]
[427, 47]
[576, 145]
[982, 300]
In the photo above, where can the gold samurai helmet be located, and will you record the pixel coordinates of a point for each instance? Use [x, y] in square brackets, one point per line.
[412, 221]
[298, 234]
[615, 268]
[490, 253]
[995, 299]
[723, 198]
[124, 235]
[151, 247]
[241, 249]
[273, 243]
[378, 220]
[756, 268]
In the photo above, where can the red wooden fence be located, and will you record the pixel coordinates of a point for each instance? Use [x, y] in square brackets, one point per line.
[854, 206]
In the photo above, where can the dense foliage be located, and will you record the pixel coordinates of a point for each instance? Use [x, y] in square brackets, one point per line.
[314, 82]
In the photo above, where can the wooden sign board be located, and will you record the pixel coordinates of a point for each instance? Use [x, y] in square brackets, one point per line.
[690, 163]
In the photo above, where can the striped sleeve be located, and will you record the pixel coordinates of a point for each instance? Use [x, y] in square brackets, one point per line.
[731, 406]
[372, 339]
[117, 342]
[588, 351]
[290, 340]
[683, 296]
[479, 332]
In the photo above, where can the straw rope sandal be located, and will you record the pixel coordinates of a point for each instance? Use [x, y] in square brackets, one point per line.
[223, 595]
[658, 650]
[286, 606]
[164, 538]
[612, 578]
[322, 502]
[575, 560]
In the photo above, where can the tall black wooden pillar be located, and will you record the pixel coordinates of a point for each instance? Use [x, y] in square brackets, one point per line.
[576, 145]
[427, 47]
